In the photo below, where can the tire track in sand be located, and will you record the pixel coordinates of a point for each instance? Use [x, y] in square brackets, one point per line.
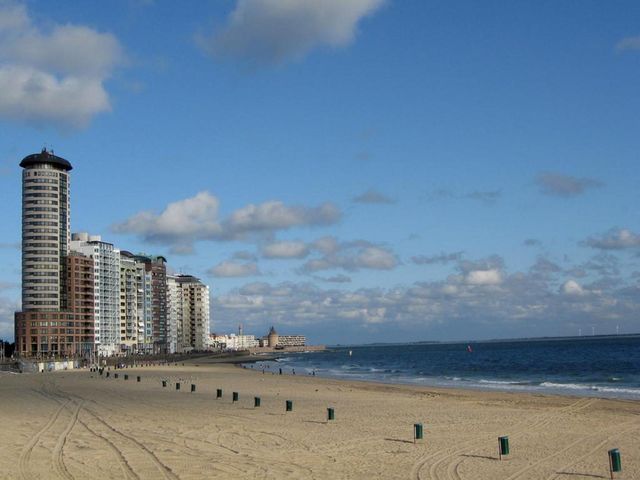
[166, 472]
[25, 455]
[57, 452]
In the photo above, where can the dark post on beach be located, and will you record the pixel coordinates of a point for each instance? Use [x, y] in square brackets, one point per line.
[235, 397]
[331, 414]
[256, 401]
[503, 446]
[126, 377]
[115, 375]
[219, 393]
[164, 383]
[615, 463]
[178, 386]
[193, 388]
[417, 432]
[289, 405]
[138, 379]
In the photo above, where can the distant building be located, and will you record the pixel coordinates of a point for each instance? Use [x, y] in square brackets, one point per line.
[188, 313]
[273, 340]
[132, 302]
[106, 273]
[155, 307]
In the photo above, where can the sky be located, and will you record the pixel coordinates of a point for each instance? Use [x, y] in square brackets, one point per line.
[352, 170]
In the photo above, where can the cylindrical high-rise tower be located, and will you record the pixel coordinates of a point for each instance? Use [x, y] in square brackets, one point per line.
[45, 231]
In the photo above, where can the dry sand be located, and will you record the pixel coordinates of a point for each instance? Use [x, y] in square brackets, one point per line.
[75, 425]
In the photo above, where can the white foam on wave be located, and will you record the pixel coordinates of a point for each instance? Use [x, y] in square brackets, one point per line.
[499, 382]
[593, 388]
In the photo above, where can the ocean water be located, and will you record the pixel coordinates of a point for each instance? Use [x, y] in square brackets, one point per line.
[587, 366]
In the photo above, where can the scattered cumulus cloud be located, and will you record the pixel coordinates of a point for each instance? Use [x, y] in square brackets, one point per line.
[273, 32]
[532, 242]
[628, 43]
[349, 256]
[291, 249]
[373, 197]
[441, 258]
[615, 239]
[484, 277]
[559, 185]
[230, 269]
[53, 76]
[196, 218]
[478, 303]
[340, 278]
[572, 288]
[487, 197]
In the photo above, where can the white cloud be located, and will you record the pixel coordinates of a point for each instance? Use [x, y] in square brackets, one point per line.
[285, 250]
[275, 215]
[268, 32]
[484, 277]
[186, 221]
[53, 77]
[557, 184]
[229, 269]
[350, 256]
[372, 197]
[572, 288]
[615, 239]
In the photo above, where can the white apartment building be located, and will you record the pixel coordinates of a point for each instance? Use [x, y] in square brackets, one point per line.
[236, 342]
[188, 313]
[106, 260]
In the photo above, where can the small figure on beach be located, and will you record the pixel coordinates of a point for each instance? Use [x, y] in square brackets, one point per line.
[280, 371]
[293, 370]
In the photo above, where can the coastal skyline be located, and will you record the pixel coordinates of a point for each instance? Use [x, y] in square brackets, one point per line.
[397, 171]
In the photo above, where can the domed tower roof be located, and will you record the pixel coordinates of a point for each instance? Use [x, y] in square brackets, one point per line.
[272, 331]
[45, 157]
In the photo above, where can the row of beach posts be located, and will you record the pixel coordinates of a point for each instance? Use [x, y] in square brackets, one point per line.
[615, 461]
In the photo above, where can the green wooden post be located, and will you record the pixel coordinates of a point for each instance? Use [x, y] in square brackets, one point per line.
[417, 432]
[503, 446]
[615, 462]
[219, 393]
[331, 414]
[289, 406]
[256, 401]
[235, 397]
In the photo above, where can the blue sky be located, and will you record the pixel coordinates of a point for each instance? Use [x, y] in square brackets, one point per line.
[361, 170]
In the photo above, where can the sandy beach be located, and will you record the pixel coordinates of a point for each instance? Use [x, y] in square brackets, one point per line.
[76, 424]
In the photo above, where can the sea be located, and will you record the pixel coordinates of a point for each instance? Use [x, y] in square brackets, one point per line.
[607, 367]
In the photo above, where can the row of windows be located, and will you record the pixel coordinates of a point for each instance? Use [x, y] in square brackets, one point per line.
[41, 223]
[42, 266]
[41, 295]
[40, 252]
[40, 274]
[40, 180]
[39, 195]
[40, 237]
[41, 215]
[36, 173]
[41, 230]
[40, 209]
[43, 303]
[42, 202]
[51, 188]
[42, 288]
[44, 280]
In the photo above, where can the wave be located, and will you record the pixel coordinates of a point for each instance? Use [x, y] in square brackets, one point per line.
[593, 388]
